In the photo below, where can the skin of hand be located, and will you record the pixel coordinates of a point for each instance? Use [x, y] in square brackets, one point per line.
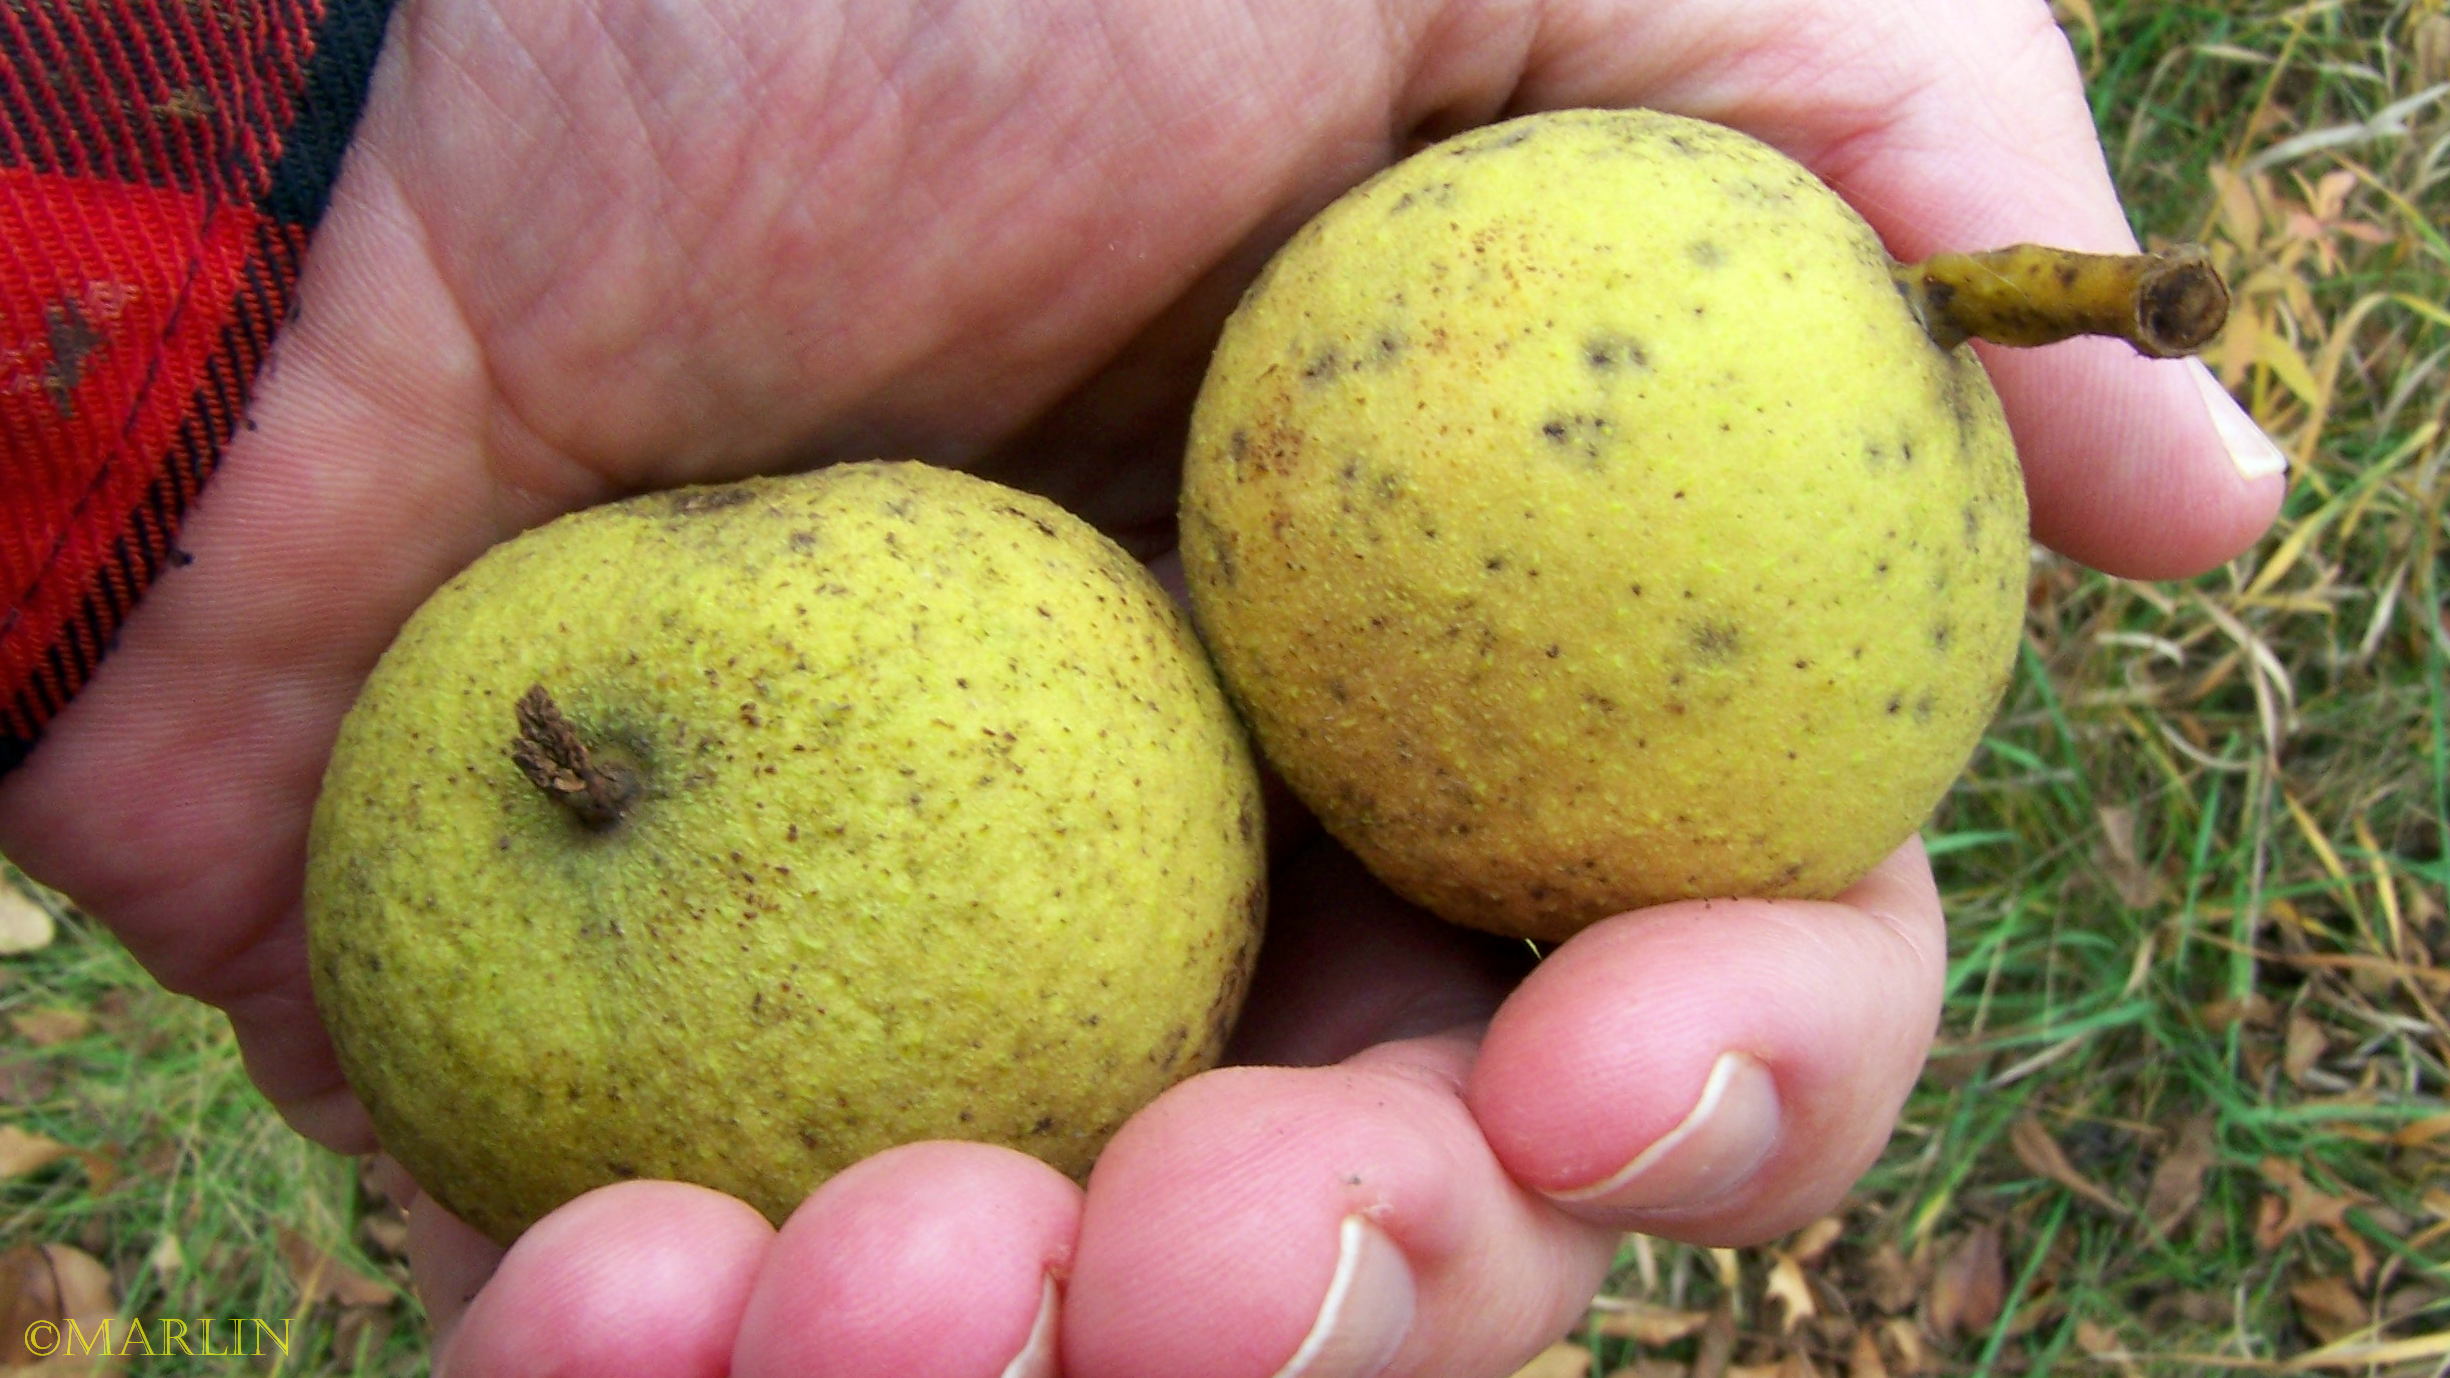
[588, 247]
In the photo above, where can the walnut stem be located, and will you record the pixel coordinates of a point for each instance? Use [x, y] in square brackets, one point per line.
[596, 791]
[2165, 304]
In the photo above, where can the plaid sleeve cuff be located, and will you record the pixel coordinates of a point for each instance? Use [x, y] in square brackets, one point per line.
[162, 163]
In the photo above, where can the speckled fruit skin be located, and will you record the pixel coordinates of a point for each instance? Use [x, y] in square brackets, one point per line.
[948, 833]
[1582, 522]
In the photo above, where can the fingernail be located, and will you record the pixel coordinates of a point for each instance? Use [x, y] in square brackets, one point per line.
[1726, 1136]
[1037, 1356]
[2253, 452]
[1367, 1313]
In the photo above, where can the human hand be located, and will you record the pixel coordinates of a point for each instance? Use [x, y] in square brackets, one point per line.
[587, 248]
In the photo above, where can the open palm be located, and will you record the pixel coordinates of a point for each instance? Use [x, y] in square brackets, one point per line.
[587, 247]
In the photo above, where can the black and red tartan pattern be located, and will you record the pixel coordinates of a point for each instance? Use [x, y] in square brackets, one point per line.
[161, 165]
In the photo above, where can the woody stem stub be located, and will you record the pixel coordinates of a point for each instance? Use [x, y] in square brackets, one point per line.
[548, 751]
[2165, 304]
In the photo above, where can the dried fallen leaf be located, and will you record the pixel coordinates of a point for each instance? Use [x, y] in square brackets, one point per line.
[2040, 1153]
[2304, 1046]
[2177, 1180]
[2302, 1205]
[1812, 1243]
[1889, 1280]
[1909, 1357]
[48, 1028]
[1970, 1285]
[2254, 1010]
[2137, 883]
[53, 1283]
[1646, 1324]
[26, 924]
[22, 1152]
[1790, 1291]
[2102, 1345]
[1863, 1360]
[2330, 1308]
[321, 1277]
[1563, 1359]
[2431, 1132]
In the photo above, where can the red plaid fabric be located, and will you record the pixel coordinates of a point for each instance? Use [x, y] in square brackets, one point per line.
[161, 164]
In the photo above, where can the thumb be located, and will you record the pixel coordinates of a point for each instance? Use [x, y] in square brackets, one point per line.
[2136, 466]
[1962, 125]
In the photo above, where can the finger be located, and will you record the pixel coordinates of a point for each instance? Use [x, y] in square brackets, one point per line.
[1961, 124]
[934, 1258]
[448, 1263]
[2137, 466]
[1718, 1071]
[1327, 1221]
[643, 1278]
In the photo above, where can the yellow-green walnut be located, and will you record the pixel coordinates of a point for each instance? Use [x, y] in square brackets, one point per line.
[1584, 519]
[736, 833]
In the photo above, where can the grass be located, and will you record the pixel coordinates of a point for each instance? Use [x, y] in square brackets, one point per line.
[2188, 1112]
[180, 1194]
